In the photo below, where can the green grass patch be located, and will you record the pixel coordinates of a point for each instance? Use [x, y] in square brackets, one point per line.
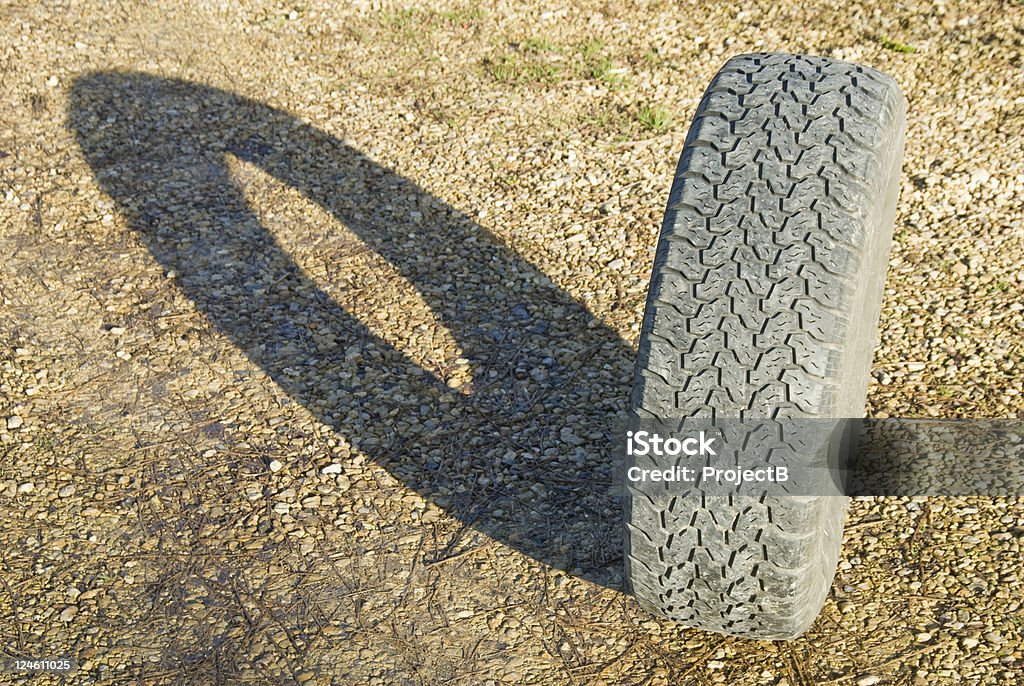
[539, 59]
[601, 120]
[653, 118]
[537, 45]
[402, 19]
[462, 15]
[593, 63]
[440, 115]
[597, 69]
[591, 48]
[896, 46]
[526, 61]
[45, 443]
[610, 123]
[511, 69]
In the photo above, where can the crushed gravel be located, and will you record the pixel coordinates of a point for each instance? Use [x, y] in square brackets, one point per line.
[316, 322]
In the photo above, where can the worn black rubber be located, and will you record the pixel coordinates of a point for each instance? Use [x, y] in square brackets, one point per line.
[764, 303]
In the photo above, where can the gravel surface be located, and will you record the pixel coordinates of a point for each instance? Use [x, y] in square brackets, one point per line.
[317, 320]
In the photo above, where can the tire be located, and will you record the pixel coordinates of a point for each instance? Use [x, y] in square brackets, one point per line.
[764, 303]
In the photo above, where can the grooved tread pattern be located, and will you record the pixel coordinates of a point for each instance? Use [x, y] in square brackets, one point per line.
[764, 303]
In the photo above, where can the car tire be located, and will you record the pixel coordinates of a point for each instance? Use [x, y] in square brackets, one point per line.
[763, 303]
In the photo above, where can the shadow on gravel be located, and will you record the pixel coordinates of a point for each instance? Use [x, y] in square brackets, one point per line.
[497, 457]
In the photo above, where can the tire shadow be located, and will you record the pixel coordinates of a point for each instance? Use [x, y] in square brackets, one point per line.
[498, 457]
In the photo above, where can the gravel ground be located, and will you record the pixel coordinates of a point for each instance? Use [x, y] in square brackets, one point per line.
[317, 320]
